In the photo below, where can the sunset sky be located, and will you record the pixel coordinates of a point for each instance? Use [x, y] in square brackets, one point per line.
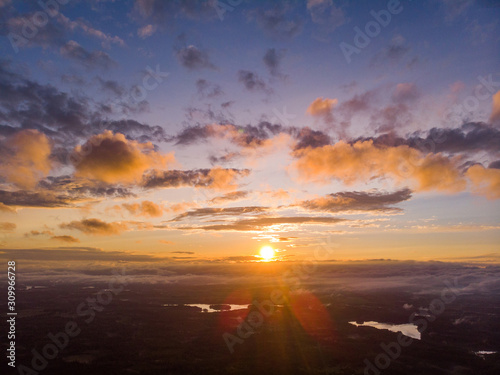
[205, 130]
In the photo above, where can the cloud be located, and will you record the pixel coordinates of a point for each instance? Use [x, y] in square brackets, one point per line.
[146, 31]
[216, 178]
[485, 181]
[321, 107]
[277, 22]
[51, 35]
[64, 118]
[405, 93]
[453, 9]
[326, 14]
[161, 13]
[146, 208]
[111, 158]
[212, 212]
[5, 208]
[25, 157]
[207, 89]
[261, 223]
[22, 198]
[252, 81]
[306, 137]
[165, 242]
[7, 227]
[495, 112]
[354, 201]
[182, 252]
[250, 136]
[74, 189]
[393, 53]
[229, 197]
[95, 59]
[363, 161]
[272, 60]
[470, 137]
[95, 227]
[391, 117]
[112, 86]
[35, 233]
[67, 239]
[107, 39]
[495, 164]
[193, 58]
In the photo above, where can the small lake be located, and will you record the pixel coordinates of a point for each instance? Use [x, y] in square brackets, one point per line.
[406, 329]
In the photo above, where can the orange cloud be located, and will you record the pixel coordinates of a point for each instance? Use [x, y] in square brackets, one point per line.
[485, 181]
[112, 158]
[321, 107]
[223, 179]
[25, 158]
[362, 161]
[68, 239]
[495, 112]
[146, 208]
[95, 227]
[7, 227]
[6, 208]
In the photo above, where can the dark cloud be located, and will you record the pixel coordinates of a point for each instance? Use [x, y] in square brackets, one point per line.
[65, 118]
[470, 137]
[272, 59]
[307, 137]
[208, 89]
[495, 164]
[277, 21]
[226, 158]
[95, 59]
[22, 198]
[249, 136]
[193, 58]
[252, 81]
[95, 227]
[111, 86]
[352, 201]
[206, 178]
[81, 188]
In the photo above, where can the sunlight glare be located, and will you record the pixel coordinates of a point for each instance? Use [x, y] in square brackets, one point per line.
[267, 253]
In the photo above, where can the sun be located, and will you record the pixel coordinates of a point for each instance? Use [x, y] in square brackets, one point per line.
[267, 253]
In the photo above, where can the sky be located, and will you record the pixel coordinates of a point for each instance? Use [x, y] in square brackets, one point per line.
[193, 131]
